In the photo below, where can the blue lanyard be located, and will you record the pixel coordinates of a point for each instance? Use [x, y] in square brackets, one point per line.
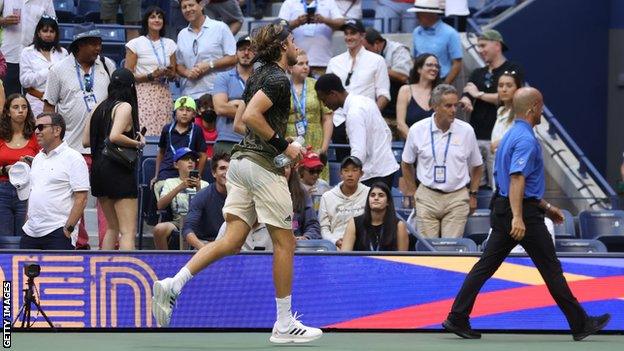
[162, 46]
[448, 142]
[240, 80]
[82, 87]
[305, 5]
[173, 124]
[300, 103]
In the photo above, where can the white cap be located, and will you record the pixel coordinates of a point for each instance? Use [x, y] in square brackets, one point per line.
[430, 6]
[19, 176]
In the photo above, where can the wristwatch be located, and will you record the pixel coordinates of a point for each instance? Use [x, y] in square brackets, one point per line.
[211, 64]
[69, 228]
[473, 193]
[150, 77]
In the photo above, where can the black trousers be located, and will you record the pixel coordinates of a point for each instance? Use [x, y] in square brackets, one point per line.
[538, 244]
[11, 81]
[339, 136]
[389, 180]
[53, 241]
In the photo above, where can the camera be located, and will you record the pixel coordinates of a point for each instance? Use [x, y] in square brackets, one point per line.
[32, 270]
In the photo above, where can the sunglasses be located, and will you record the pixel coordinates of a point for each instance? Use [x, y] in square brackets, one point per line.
[315, 171]
[510, 73]
[41, 127]
[432, 65]
[88, 82]
[348, 81]
[195, 47]
[488, 80]
[49, 17]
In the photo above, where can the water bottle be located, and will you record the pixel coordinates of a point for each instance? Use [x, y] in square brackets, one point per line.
[281, 160]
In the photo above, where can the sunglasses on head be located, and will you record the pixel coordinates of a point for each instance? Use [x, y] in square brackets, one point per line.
[510, 73]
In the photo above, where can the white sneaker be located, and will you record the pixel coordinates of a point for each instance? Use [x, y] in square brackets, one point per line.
[297, 333]
[163, 301]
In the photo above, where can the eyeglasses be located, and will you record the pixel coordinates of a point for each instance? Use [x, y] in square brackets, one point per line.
[432, 65]
[41, 127]
[348, 81]
[488, 80]
[195, 47]
[88, 80]
[510, 73]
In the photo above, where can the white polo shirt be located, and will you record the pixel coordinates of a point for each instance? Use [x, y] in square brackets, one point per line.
[398, 57]
[16, 37]
[463, 153]
[54, 177]
[369, 136]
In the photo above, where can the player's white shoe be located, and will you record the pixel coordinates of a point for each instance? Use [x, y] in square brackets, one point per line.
[297, 333]
[163, 301]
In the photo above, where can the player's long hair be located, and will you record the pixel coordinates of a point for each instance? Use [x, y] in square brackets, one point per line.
[267, 42]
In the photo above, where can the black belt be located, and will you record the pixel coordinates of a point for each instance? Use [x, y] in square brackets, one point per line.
[442, 191]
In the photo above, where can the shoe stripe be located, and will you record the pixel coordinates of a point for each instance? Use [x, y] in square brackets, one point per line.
[293, 331]
[303, 332]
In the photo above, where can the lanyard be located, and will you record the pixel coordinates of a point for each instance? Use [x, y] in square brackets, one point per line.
[305, 5]
[448, 142]
[373, 248]
[162, 47]
[190, 136]
[240, 79]
[300, 103]
[82, 87]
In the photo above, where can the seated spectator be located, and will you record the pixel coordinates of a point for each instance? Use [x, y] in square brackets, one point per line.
[258, 238]
[205, 217]
[378, 228]
[413, 99]
[227, 11]
[508, 83]
[18, 142]
[395, 16]
[176, 194]
[54, 208]
[206, 120]
[131, 10]
[309, 170]
[345, 201]
[305, 223]
[180, 133]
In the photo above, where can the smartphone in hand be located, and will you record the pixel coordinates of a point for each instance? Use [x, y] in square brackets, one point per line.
[194, 174]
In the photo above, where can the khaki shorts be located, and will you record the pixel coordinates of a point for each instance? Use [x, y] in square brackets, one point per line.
[255, 194]
[131, 10]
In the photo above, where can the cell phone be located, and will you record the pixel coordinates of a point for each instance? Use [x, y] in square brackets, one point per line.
[143, 130]
[194, 174]
[311, 10]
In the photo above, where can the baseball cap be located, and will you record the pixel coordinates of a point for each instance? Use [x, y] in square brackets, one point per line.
[243, 40]
[493, 35]
[183, 151]
[350, 160]
[185, 101]
[311, 160]
[123, 77]
[354, 24]
[19, 176]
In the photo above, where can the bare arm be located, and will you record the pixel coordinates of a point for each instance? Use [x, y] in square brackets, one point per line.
[408, 176]
[454, 72]
[86, 133]
[328, 130]
[166, 199]
[122, 122]
[239, 126]
[382, 101]
[80, 203]
[397, 76]
[224, 62]
[48, 108]
[222, 106]
[402, 237]
[401, 111]
[475, 180]
[348, 240]
[516, 195]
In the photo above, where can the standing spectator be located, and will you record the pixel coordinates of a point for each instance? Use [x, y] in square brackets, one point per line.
[508, 83]
[228, 93]
[54, 208]
[17, 141]
[228, 11]
[36, 60]
[305, 222]
[19, 20]
[115, 122]
[308, 117]
[481, 93]
[205, 47]
[206, 120]
[436, 37]
[378, 228]
[313, 23]
[205, 215]
[413, 99]
[131, 10]
[395, 16]
[350, 8]
[369, 136]
[151, 57]
[309, 170]
[447, 156]
[345, 201]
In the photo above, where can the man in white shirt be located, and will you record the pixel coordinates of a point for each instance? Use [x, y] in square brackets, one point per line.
[448, 159]
[18, 21]
[313, 23]
[369, 136]
[59, 183]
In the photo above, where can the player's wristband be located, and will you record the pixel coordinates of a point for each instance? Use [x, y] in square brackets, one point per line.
[278, 142]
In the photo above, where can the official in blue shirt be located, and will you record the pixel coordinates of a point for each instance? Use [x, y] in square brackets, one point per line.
[518, 218]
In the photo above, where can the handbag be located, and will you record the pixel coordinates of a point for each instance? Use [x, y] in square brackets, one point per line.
[124, 156]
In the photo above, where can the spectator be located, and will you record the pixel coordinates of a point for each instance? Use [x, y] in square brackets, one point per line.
[130, 9]
[2, 96]
[436, 37]
[305, 222]
[228, 94]
[508, 83]
[151, 57]
[3, 64]
[308, 117]
[180, 133]
[227, 11]
[369, 136]
[205, 47]
[17, 142]
[205, 217]
[481, 97]
[309, 170]
[313, 23]
[206, 120]
[345, 201]
[36, 60]
[19, 20]
[258, 239]
[350, 8]
[115, 124]
[54, 208]
[378, 228]
[395, 16]
[176, 194]
[413, 99]
[398, 61]
[447, 157]
[75, 85]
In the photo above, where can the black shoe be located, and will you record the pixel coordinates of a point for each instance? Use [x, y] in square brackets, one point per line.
[592, 326]
[464, 331]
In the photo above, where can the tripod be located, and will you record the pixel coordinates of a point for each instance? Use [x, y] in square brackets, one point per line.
[29, 298]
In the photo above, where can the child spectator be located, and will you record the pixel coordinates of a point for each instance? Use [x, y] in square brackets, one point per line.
[310, 168]
[206, 119]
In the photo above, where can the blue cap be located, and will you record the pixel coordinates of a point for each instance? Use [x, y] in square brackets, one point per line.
[183, 151]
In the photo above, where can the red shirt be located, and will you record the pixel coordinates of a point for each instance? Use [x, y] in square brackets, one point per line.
[210, 135]
[9, 156]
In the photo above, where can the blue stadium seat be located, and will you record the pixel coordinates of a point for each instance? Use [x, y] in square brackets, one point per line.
[66, 33]
[450, 245]
[334, 173]
[478, 226]
[566, 229]
[580, 245]
[484, 196]
[113, 34]
[315, 245]
[399, 206]
[146, 212]
[90, 10]
[594, 224]
[65, 10]
[10, 242]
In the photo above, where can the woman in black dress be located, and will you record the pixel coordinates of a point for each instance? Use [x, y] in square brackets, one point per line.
[114, 184]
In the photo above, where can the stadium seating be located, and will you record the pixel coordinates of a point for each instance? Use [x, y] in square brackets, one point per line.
[65, 10]
[580, 245]
[334, 173]
[10, 242]
[449, 245]
[478, 226]
[146, 212]
[315, 246]
[606, 226]
[566, 229]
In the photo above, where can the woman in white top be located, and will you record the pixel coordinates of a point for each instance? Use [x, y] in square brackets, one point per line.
[36, 60]
[151, 57]
[508, 83]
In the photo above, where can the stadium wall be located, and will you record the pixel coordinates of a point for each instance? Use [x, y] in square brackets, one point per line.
[615, 144]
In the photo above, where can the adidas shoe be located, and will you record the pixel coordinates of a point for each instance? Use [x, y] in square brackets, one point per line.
[163, 301]
[297, 333]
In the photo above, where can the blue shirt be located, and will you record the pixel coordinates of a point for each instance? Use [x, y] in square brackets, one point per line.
[230, 83]
[171, 141]
[205, 215]
[441, 40]
[520, 152]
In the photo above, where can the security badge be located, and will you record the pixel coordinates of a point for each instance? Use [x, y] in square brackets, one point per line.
[439, 174]
[301, 127]
[90, 101]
